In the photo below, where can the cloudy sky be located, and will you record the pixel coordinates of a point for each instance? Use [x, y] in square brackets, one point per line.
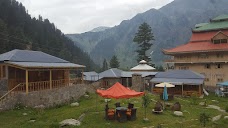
[77, 16]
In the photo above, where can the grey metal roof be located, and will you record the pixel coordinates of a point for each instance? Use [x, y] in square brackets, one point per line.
[179, 77]
[144, 74]
[30, 56]
[46, 65]
[92, 73]
[91, 76]
[113, 73]
[178, 81]
[180, 74]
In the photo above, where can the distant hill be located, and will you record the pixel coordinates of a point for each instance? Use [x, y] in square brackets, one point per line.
[99, 29]
[18, 30]
[170, 24]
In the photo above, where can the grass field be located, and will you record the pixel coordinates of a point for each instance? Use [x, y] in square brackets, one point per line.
[93, 107]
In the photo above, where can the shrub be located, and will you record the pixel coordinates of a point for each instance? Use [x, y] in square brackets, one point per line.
[226, 109]
[19, 106]
[159, 126]
[204, 118]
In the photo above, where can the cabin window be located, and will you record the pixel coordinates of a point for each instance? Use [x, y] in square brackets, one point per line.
[183, 68]
[219, 55]
[223, 40]
[203, 56]
[216, 41]
[218, 66]
[220, 79]
[208, 66]
[106, 83]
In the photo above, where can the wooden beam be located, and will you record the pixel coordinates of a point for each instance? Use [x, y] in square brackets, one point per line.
[50, 78]
[127, 82]
[200, 90]
[182, 93]
[1, 71]
[82, 77]
[26, 79]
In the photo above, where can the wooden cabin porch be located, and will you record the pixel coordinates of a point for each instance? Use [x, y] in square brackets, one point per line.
[36, 79]
[184, 90]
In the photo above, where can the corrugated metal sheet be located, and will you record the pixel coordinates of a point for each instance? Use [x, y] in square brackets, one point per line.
[46, 65]
[142, 67]
[178, 81]
[179, 77]
[30, 56]
[112, 73]
[144, 74]
[180, 74]
[116, 73]
[91, 76]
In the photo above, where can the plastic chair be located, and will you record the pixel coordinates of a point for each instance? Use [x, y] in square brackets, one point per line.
[130, 106]
[132, 114]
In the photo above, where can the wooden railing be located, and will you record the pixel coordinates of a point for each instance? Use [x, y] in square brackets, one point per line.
[36, 86]
[43, 85]
[9, 93]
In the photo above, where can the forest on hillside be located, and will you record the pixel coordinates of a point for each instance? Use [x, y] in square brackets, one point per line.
[18, 30]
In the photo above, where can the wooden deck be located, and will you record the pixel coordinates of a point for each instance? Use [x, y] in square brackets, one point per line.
[44, 85]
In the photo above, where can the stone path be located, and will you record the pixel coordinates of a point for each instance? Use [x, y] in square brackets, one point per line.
[216, 107]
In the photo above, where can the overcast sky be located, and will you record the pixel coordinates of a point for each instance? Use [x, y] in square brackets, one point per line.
[77, 16]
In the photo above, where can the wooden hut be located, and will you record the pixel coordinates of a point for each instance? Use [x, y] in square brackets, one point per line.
[25, 70]
[186, 82]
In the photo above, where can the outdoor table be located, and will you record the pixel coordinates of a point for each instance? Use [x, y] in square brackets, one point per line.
[121, 108]
[121, 114]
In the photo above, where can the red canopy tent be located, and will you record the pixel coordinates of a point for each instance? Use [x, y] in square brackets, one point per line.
[118, 91]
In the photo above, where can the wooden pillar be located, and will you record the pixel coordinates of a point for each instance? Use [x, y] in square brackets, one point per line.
[82, 77]
[199, 90]
[26, 79]
[127, 82]
[68, 77]
[50, 78]
[6, 72]
[182, 89]
[1, 71]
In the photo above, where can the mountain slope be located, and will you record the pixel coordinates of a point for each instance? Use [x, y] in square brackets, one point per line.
[170, 24]
[19, 31]
[99, 29]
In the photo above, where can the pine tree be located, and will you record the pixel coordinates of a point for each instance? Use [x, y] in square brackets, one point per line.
[105, 65]
[143, 37]
[114, 63]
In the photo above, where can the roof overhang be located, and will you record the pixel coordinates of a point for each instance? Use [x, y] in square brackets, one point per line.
[38, 65]
[187, 52]
[177, 81]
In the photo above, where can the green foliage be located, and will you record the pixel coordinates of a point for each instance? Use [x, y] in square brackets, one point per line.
[114, 62]
[94, 118]
[19, 106]
[19, 31]
[159, 126]
[143, 37]
[194, 99]
[145, 102]
[105, 65]
[160, 68]
[204, 118]
[226, 109]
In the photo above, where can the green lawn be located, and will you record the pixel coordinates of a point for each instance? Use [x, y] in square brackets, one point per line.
[94, 114]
